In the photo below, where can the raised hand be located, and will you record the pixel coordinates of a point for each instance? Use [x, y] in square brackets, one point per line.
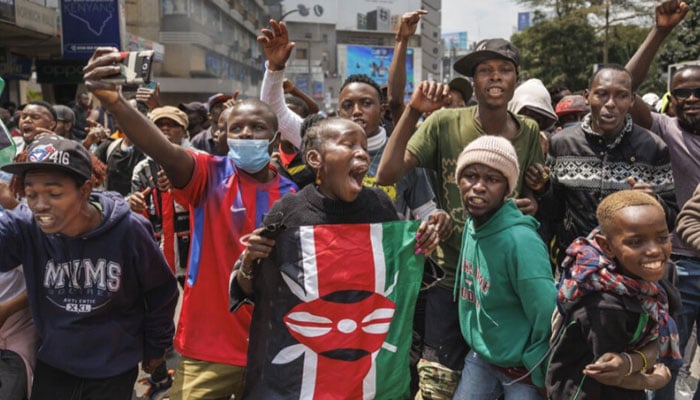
[233, 100]
[288, 86]
[276, 45]
[137, 200]
[103, 63]
[409, 23]
[429, 96]
[151, 97]
[670, 13]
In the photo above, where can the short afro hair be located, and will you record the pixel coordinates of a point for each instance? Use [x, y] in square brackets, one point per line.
[49, 108]
[605, 213]
[609, 67]
[362, 78]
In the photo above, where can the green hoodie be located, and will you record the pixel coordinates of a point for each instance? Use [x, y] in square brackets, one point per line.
[506, 291]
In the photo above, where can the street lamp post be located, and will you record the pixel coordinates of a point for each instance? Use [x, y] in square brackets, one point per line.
[301, 9]
[304, 11]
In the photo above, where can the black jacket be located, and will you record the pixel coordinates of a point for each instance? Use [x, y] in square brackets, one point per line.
[584, 170]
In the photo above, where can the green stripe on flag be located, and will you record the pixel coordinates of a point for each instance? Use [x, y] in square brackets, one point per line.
[7, 146]
[392, 374]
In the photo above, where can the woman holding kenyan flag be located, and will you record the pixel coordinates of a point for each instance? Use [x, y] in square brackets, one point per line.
[333, 303]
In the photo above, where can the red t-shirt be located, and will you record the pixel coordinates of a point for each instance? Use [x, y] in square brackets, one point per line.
[224, 205]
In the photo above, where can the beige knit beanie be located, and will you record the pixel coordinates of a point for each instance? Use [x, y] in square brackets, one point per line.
[495, 152]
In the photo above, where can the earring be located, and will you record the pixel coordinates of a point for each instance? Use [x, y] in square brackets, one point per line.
[318, 179]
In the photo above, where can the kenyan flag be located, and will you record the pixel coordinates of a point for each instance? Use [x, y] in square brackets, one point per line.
[7, 145]
[340, 299]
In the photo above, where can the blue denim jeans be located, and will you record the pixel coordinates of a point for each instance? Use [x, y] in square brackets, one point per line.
[480, 381]
[689, 315]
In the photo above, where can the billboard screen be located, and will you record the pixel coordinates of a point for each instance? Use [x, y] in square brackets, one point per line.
[456, 40]
[374, 62]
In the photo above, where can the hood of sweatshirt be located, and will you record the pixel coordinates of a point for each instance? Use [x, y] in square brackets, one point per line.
[113, 207]
[532, 94]
[506, 217]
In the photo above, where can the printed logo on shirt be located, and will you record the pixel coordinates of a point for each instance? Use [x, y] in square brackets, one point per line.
[81, 286]
[473, 276]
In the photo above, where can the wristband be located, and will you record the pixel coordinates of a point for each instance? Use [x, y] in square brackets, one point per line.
[629, 360]
[246, 275]
[645, 363]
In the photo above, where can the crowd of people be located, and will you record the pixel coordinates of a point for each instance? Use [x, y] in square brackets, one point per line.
[557, 232]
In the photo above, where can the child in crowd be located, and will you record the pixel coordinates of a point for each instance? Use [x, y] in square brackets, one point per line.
[504, 281]
[614, 306]
[336, 150]
[101, 294]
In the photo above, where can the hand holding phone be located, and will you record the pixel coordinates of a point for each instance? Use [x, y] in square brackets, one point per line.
[135, 68]
[149, 94]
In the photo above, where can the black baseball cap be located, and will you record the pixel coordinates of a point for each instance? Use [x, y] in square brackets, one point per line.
[64, 113]
[54, 152]
[194, 106]
[463, 86]
[485, 50]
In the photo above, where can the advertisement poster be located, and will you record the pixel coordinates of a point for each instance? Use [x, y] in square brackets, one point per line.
[88, 24]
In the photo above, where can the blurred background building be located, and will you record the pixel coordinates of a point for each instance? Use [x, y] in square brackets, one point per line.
[208, 46]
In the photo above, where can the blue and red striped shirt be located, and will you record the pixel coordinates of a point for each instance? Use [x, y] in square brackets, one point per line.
[224, 204]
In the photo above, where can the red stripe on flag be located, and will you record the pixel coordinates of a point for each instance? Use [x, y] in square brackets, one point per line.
[345, 268]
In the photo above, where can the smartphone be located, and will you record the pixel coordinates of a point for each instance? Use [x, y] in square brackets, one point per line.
[152, 85]
[135, 68]
[271, 231]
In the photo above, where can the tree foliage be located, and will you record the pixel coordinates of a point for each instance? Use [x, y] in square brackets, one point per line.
[557, 51]
[619, 10]
[565, 47]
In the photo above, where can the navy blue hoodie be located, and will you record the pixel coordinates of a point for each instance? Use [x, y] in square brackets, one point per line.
[102, 301]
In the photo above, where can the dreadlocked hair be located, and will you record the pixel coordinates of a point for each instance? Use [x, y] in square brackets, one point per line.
[605, 213]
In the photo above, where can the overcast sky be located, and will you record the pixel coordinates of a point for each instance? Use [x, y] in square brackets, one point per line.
[481, 19]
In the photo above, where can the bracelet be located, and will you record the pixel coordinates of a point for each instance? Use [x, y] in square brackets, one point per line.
[645, 363]
[629, 359]
[246, 275]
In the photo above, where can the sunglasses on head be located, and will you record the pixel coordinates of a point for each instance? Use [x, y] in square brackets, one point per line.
[684, 93]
